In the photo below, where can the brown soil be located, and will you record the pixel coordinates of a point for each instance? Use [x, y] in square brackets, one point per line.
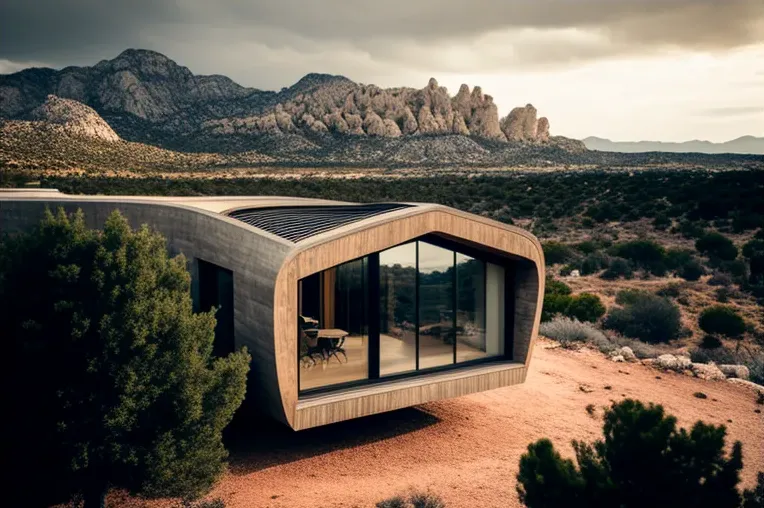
[467, 449]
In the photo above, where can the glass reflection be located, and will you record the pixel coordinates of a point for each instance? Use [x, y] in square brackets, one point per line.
[436, 306]
[397, 309]
[333, 326]
[470, 309]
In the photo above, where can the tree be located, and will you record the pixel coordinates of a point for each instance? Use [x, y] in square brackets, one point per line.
[116, 385]
[644, 460]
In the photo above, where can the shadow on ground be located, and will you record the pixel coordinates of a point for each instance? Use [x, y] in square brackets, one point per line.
[257, 443]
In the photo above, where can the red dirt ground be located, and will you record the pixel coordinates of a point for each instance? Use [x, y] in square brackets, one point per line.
[467, 449]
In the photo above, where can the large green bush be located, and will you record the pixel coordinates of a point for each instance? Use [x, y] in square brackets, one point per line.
[716, 246]
[556, 253]
[646, 254]
[618, 268]
[585, 307]
[646, 317]
[721, 320]
[115, 384]
[643, 460]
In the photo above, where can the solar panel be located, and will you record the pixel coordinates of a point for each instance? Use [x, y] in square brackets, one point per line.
[296, 223]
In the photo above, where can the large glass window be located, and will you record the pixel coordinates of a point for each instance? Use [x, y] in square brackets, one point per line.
[397, 312]
[436, 306]
[470, 308]
[431, 306]
[333, 326]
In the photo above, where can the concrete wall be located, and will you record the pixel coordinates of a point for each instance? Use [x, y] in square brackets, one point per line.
[254, 259]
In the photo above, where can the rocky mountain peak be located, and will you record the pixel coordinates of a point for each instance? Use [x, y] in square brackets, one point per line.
[74, 117]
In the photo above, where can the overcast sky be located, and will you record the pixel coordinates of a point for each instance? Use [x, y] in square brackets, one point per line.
[667, 70]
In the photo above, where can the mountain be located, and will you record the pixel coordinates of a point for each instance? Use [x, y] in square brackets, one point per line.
[146, 97]
[742, 145]
[73, 117]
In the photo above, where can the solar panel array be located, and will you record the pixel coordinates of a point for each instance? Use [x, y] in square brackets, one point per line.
[296, 223]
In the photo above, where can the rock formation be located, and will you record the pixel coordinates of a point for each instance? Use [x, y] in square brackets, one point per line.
[75, 118]
[144, 95]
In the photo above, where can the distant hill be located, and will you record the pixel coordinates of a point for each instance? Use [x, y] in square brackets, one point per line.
[742, 145]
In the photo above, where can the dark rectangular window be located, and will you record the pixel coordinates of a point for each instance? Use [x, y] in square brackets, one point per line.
[216, 290]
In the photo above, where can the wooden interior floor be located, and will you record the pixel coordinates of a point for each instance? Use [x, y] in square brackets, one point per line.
[396, 356]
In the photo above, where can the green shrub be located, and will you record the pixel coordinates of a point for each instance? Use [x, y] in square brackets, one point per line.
[678, 257]
[722, 294]
[618, 268]
[567, 270]
[555, 304]
[721, 320]
[585, 307]
[645, 254]
[753, 247]
[755, 498]
[737, 268]
[689, 229]
[720, 279]
[643, 460]
[629, 296]
[556, 287]
[413, 500]
[716, 246]
[556, 253]
[691, 270]
[594, 262]
[710, 342]
[587, 247]
[661, 221]
[646, 317]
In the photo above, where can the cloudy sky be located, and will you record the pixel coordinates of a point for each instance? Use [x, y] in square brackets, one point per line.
[668, 70]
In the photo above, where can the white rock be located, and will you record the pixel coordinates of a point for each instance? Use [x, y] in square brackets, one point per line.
[617, 358]
[671, 362]
[708, 371]
[738, 371]
[628, 354]
[575, 273]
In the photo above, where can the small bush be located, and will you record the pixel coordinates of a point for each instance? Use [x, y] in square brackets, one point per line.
[710, 342]
[585, 307]
[593, 263]
[670, 290]
[618, 268]
[647, 317]
[556, 287]
[716, 245]
[413, 500]
[692, 270]
[556, 253]
[555, 304]
[755, 498]
[721, 320]
[566, 330]
[690, 229]
[587, 247]
[753, 247]
[737, 268]
[723, 294]
[678, 257]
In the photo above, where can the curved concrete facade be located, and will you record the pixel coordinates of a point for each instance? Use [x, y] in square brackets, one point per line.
[266, 269]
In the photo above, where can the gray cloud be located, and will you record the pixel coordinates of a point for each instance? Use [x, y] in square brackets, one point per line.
[227, 35]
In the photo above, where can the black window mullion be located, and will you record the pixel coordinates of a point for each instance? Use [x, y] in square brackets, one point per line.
[374, 316]
[454, 300]
[416, 306]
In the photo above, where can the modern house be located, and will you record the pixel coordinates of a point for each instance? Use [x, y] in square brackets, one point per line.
[347, 309]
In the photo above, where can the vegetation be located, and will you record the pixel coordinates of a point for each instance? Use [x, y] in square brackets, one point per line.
[559, 301]
[646, 317]
[721, 320]
[413, 500]
[716, 246]
[566, 330]
[120, 386]
[643, 460]
[585, 307]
